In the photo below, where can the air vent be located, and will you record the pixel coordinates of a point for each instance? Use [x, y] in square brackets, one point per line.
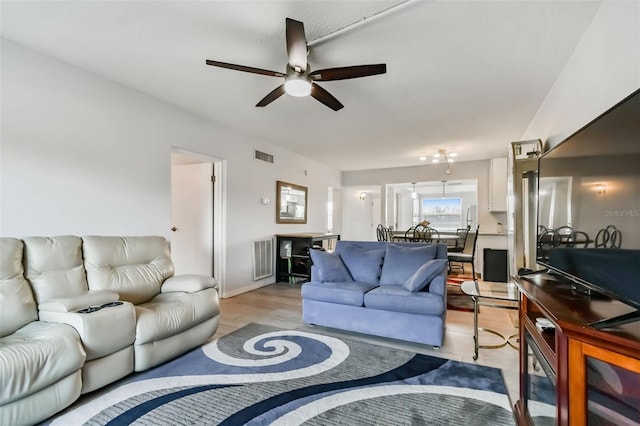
[263, 156]
[262, 259]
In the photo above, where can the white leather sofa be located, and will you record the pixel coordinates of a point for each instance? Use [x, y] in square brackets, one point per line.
[115, 297]
[40, 362]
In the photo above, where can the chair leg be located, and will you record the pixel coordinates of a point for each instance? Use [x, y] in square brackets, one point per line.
[473, 270]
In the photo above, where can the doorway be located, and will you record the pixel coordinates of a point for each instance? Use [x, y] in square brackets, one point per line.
[196, 214]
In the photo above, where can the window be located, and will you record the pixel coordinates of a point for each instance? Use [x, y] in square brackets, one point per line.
[443, 213]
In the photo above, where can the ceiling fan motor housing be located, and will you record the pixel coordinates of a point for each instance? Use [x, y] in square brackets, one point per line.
[297, 83]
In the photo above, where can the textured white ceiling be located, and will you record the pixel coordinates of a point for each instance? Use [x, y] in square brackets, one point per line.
[467, 76]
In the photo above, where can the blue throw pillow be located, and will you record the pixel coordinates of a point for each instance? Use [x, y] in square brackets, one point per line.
[329, 267]
[401, 262]
[425, 274]
[364, 265]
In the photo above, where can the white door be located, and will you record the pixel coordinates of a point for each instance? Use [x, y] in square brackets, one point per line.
[192, 218]
[375, 217]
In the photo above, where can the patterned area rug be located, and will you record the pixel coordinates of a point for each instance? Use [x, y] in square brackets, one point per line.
[261, 375]
[456, 299]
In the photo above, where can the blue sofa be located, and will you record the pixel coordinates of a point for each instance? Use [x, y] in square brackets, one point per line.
[395, 290]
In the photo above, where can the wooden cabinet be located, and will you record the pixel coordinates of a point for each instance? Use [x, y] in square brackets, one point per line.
[571, 373]
[604, 385]
[293, 262]
[498, 185]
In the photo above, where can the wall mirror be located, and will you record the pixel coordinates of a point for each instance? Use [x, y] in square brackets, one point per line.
[291, 203]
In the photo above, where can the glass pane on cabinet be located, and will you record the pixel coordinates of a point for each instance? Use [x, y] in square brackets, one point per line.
[541, 387]
[613, 394]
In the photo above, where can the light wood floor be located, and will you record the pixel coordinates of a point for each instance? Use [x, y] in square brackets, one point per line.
[280, 305]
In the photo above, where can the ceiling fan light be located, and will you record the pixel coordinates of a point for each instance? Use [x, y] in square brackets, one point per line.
[450, 160]
[453, 154]
[435, 160]
[297, 87]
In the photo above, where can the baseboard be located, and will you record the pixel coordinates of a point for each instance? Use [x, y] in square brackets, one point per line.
[245, 289]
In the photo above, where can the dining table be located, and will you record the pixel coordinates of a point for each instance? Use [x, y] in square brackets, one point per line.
[444, 237]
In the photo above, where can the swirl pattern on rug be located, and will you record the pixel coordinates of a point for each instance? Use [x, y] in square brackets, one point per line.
[262, 375]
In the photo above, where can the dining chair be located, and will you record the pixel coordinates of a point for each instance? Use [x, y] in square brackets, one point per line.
[431, 235]
[419, 232]
[459, 243]
[389, 233]
[409, 234]
[381, 233]
[563, 235]
[424, 234]
[546, 241]
[609, 237]
[580, 239]
[463, 258]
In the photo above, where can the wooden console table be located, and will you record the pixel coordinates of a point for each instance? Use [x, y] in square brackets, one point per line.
[588, 375]
[294, 249]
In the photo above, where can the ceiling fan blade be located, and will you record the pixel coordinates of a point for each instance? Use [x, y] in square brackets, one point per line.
[296, 44]
[245, 69]
[325, 97]
[343, 73]
[272, 96]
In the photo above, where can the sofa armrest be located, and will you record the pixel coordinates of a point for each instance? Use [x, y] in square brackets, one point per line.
[188, 283]
[438, 285]
[71, 304]
[103, 331]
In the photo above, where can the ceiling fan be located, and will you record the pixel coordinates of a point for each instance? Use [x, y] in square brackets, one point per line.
[299, 80]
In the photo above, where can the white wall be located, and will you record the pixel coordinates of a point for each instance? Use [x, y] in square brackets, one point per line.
[83, 155]
[604, 69]
[357, 213]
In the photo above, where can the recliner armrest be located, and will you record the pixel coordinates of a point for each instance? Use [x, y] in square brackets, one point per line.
[71, 304]
[188, 283]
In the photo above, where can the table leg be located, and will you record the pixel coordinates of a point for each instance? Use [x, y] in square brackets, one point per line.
[515, 337]
[475, 328]
[476, 337]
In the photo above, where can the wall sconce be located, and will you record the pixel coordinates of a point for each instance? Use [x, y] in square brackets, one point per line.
[601, 189]
[362, 196]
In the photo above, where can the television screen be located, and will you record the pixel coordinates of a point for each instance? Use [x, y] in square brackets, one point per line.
[589, 204]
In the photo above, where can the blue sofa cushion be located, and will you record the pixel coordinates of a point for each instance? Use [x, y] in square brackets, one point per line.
[402, 262]
[364, 265]
[344, 293]
[425, 274]
[329, 267]
[399, 299]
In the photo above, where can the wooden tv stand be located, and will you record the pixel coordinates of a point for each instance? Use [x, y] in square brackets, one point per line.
[571, 358]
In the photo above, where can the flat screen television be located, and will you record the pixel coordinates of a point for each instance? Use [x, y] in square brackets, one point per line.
[589, 207]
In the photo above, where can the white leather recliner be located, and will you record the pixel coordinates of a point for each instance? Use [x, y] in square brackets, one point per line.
[55, 269]
[173, 313]
[40, 362]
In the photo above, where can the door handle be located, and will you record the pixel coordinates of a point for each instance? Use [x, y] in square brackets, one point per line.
[174, 229]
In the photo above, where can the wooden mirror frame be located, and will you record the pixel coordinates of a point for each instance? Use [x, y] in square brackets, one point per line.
[281, 187]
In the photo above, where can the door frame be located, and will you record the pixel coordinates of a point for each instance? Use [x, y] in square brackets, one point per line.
[219, 212]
